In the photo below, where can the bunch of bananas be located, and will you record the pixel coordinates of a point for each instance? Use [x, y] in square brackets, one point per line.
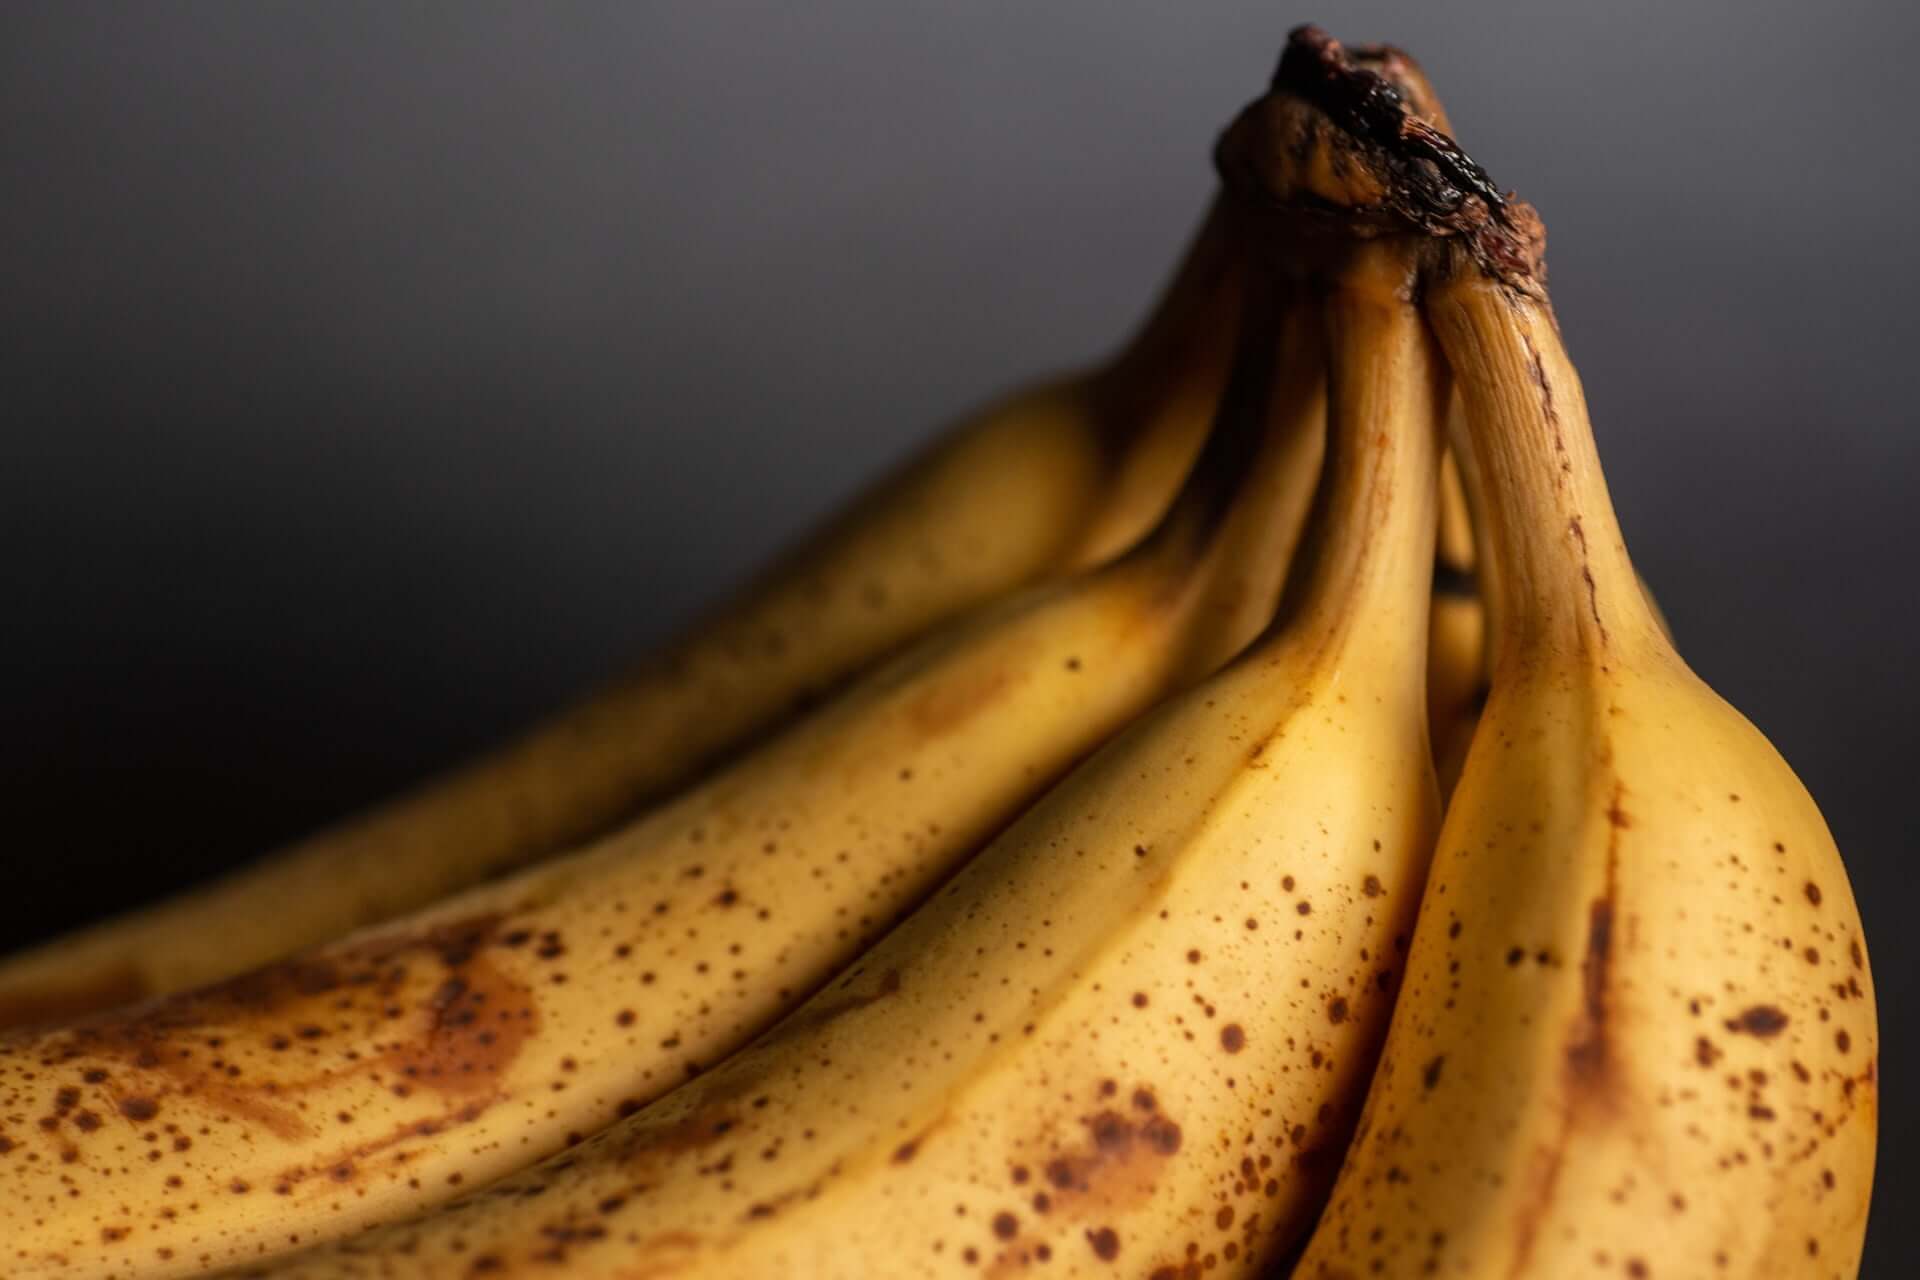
[1046, 870]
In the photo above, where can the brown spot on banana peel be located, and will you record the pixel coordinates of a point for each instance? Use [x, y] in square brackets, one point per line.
[1761, 1020]
[1115, 1166]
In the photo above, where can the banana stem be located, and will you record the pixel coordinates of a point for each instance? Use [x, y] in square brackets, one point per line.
[1184, 347]
[1376, 514]
[1555, 541]
[1239, 426]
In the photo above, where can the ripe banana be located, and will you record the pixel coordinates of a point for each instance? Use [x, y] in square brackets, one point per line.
[379, 1075]
[1637, 1034]
[1456, 632]
[1127, 1038]
[1054, 478]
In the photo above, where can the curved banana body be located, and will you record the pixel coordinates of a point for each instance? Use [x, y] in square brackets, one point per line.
[1126, 1038]
[377, 1076]
[1050, 480]
[1637, 1032]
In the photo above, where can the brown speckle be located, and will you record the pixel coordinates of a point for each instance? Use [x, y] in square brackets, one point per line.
[139, 1108]
[1006, 1226]
[1106, 1244]
[1762, 1020]
[1233, 1038]
[1162, 1134]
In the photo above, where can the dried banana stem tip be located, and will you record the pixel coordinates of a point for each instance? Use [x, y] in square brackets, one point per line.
[1351, 143]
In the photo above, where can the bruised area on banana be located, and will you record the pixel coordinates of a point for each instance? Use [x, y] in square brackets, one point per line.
[1131, 1036]
[386, 1073]
[1636, 1035]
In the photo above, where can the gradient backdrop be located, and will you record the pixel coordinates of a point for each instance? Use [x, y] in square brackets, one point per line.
[374, 376]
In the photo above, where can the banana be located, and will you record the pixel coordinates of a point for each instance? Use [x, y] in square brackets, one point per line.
[1456, 632]
[1637, 1034]
[1054, 478]
[1127, 1038]
[376, 1076]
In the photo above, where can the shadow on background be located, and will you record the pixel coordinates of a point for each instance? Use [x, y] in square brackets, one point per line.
[373, 381]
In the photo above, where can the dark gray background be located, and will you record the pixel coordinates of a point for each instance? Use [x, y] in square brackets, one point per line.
[374, 376]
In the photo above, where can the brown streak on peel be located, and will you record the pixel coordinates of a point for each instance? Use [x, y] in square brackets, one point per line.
[1539, 372]
[714, 1116]
[1541, 1180]
[1587, 1055]
[906, 1151]
[1589, 1068]
[1552, 414]
[703, 1127]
